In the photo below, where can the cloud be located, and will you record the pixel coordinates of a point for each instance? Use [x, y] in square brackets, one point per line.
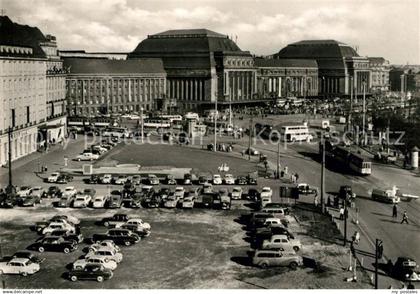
[262, 27]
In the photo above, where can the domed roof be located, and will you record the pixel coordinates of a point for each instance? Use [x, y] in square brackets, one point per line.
[317, 49]
[185, 41]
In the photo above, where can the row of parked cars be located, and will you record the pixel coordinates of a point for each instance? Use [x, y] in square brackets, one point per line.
[93, 152]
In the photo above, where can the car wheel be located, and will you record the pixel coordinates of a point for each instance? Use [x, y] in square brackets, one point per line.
[264, 265]
[41, 249]
[73, 278]
[296, 248]
[127, 243]
[100, 279]
[24, 274]
[106, 224]
[293, 265]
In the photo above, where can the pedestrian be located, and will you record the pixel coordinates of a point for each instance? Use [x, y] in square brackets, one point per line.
[356, 237]
[296, 177]
[316, 201]
[394, 211]
[342, 213]
[405, 217]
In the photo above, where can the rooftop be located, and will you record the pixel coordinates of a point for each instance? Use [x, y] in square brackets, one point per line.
[108, 66]
[188, 33]
[262, 62]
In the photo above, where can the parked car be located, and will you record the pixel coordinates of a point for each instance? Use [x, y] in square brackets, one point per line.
[188, 179]
[30, 200]
[99, 201]
[107, 251]
[253, 194]
[68, 218]
[66, 200]
[53, 192]
[119, 236]
[217, 179]
[236, 193]
[264, 233]
[170, 180]
[241, 180]
[27, 255]
[305, 189]
[94, 179]
[153, 180]
[64, 179]
[405, 269]
[136, 180]
[268, 258]
[54, 243]
[118, 218]
[258, 218]
[53, 177]
[282, 241]
[90, 272]
[105, 243]
[98, 260]
[252, 151]
[251, 179]
[179, 192]
[82, 200]
[19, 266]
[87, 156]
[229, 179]
[171, 201]
[137, 222]
[106, 179]
[207, 188]
[115, 199]
[266, 192]
[69, 191]
[53, 226]
[188, 202]
[202, 180]
[207, 200]
[121, 180]
[99, 148]
[67, 235]
[24, 191]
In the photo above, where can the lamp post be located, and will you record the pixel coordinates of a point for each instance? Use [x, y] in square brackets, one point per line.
[278, 158]
[364, 112]
[215, 124]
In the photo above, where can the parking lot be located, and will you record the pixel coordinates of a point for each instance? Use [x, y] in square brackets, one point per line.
[198, 248]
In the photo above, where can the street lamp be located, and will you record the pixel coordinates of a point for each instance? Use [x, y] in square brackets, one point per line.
[215, 123]
[364, 111]
[142, 124]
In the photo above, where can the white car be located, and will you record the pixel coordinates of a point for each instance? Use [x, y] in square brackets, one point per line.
[82, 201]
[171, 201]
[229, 179]
[99, 201]
[53, 226]
[104, 244]
[283, 242]
[37, 191]
[179, 192]
[69, 191]
[19, 266]
[188, 202]
[24, 191]
[103, 260]
[121, 180]
[153, 180]
[217, 180]
[108, 252]
[53, 177]
[68, 218]
[266, 192]
[106, 179]
[88, 156]
[140, 223]
[236, 193]
[272, 221]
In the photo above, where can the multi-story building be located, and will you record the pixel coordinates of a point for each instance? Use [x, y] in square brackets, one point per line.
[339, 66]
[23, 90]
[104, 86]
[201, 66]
[404, 78]
[287, 77]
[379, 69]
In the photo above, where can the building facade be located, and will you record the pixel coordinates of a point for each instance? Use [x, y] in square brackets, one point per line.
[23, 90]
[379, 69]
[201, 66]
[404, 78]
[340, 68]
[103, 86]
[279, 78]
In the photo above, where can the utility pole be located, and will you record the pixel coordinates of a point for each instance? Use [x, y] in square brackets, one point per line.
[251, 130]
[378, 243]
[10, 186]
[364, 111]
[278, 159]
[351, 104]
[142, 124]
[345, 221]
[215, 124]
[322, 173]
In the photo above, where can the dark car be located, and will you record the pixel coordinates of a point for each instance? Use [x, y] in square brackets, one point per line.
[129, 188]
[117, 218]
[10, 201]
[264, 233]
[115, 201]
[95, 272]
[53, 243]
[202, 180]
[30, 200]
[135, 229]
[241, 180]
[53, 192]
[94, 179]
[76, 238]
[207, 200]
[251, 180]
[119, 236]
[89, 191]
[403, 268]
[253, 194]
[64, 179]
[29, 255]
[258, 218]
[136, 200]
[164, 192]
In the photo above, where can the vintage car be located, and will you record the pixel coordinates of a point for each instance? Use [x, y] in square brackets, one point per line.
[19, 266]
[53, 243]
[119, 236]
[90, 272]
[282, 241]
[100, 260]
[118, 218]
[268, 258]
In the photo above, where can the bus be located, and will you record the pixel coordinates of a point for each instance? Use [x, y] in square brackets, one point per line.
[174, 118]
[116, 132]
[157, 123]
[349, 158]
[296, 133]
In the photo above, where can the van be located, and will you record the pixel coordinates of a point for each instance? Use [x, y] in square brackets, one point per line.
[266, 258]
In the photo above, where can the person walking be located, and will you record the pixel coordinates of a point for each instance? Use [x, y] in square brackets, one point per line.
[405, 218]
[342, 213]
[394, 211]
[296, 177]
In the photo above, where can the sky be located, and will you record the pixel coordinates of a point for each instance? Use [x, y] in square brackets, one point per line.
[387, 28]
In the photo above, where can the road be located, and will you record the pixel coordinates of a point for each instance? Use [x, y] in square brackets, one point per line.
[375, 218]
